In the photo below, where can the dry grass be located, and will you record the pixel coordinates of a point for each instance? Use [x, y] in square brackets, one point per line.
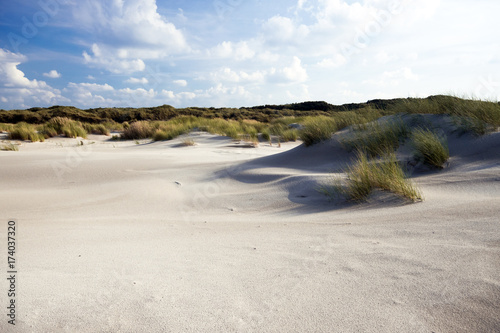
[138, 130]
[317, 129]
[430, 148]
[364, 176]
[9, 147]
[23, 131]
[376, 139]
[187, 142]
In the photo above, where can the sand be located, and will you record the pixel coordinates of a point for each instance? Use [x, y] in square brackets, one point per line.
[217, 237]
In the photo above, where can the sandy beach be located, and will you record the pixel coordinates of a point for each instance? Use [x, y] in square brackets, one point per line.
[153, 236]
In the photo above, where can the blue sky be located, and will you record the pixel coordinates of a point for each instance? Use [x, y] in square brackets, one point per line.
[96, 53]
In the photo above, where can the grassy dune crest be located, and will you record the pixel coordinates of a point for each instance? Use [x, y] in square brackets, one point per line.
[376, 139]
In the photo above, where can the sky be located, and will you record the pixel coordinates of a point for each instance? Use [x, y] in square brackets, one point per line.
[234, 53]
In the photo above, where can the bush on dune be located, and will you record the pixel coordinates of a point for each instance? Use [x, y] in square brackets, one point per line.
[23, 131]
[430, 148]
[170, 131]
[100, 129]
[139, 130]
[62, 125]
[364, 176]
[74, 129]
[317, 129]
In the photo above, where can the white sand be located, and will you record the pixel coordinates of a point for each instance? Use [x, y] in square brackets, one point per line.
[155, 237]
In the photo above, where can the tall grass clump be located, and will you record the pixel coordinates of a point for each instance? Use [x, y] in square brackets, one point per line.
[317, 129]
[6, 127]
[74, 129]
[376, 139]
[186, 142]
[9, 147]
[24, 131]
[290, 134]
[430, 148]
[473, 126]
[364, 176]
[169, 131]
[58, 123]
[62, 125]
[139, 130]
[101, 129]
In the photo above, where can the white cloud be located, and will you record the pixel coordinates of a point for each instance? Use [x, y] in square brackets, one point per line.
[336, 61]
[180, 83]
[53, 74]
[237, 51]
[93, 94]
[279, 30]
[393, 78]
[295, 72]
[110, 60]
[171, 97]
[18, 90]
[134, 80]
[91, 86]
[129, 31]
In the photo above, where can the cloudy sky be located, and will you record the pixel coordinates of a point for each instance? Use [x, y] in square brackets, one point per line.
[98, 53]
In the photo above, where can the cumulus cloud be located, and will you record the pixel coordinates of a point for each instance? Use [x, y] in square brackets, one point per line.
[237, 51]
[129, 32]
[135, 80]
[279, 30]
[180, 83]
[336, 61]
[295, 72]
[226, 74]
[19, 91]
[393, 78]
[112, 60]
[93, 94]
[53, 74]
[176, 98]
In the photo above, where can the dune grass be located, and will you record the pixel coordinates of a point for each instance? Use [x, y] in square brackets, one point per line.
[170, 131]
[478, 112]
[100, 129]
[365, 175]
[317, 121]
[317, 129]
[321, 128]
[138, 130]
[23, 131]
[9, 147]
[66, 126]
[430, 148]
[187, 142]
[282, 129]
[74, 129]
[377, 138]
[6, 127]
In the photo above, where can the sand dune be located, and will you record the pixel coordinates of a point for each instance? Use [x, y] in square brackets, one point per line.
[120, 237]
